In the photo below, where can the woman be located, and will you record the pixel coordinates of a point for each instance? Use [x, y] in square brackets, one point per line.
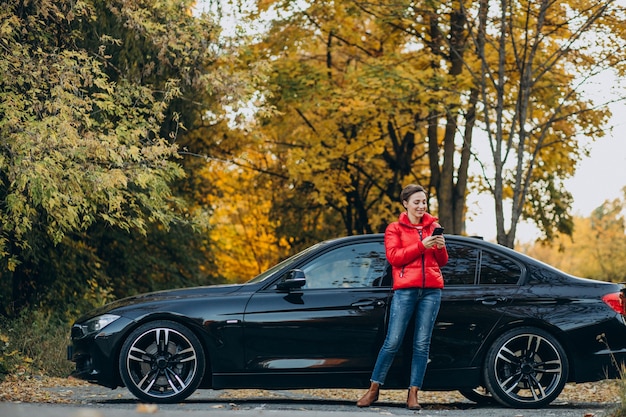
[415, 256]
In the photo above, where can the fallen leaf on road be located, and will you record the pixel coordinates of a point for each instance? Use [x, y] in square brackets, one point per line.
[147, 408]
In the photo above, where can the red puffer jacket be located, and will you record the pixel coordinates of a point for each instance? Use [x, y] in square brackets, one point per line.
[412, 265]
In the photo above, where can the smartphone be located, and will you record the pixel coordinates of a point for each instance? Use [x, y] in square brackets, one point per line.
[438, 231]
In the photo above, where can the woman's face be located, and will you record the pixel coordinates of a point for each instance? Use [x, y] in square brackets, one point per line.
[416, 205]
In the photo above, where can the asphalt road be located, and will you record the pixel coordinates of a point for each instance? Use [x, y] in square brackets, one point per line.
[94, 401]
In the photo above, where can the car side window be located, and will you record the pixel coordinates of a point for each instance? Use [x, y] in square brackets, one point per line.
[496, 269]
[352, 266]
[462, 265]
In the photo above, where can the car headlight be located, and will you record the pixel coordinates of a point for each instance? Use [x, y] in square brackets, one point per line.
[96, 324]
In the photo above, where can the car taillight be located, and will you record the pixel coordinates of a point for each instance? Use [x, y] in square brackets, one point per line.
[615, 301]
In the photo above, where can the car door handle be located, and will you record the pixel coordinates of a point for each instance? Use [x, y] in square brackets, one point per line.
[368, 304]
[490, 300]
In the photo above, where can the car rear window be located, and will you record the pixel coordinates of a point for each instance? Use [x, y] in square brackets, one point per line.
[469, 265]
[498, 269]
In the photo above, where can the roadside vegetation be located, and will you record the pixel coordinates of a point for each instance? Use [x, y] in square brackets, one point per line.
[620, 409]
[620, 388]
[34, 343]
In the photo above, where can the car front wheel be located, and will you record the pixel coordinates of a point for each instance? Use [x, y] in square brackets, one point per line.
[162, 362]
[526, 368]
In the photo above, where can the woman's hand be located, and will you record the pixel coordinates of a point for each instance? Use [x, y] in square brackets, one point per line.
[435, 242]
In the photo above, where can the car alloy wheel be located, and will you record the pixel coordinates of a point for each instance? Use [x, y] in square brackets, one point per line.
[162, 361]
[526, 368]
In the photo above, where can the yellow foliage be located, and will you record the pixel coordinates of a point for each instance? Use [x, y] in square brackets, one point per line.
[367, 99]
[242, 232]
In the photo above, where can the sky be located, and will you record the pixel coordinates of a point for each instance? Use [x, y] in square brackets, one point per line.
[599, 177]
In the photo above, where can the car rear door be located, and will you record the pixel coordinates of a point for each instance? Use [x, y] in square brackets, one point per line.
[480, 284]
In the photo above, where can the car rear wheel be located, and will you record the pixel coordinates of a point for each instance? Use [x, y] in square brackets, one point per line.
[526, 368]
[162, 362]
[479, 395]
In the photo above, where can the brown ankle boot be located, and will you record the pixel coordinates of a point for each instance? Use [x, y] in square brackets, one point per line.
[370, 396]
[411, 399]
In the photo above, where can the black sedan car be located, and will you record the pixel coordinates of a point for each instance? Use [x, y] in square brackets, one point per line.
[510, 329]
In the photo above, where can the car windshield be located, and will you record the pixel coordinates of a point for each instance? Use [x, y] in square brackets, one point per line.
[294, 258]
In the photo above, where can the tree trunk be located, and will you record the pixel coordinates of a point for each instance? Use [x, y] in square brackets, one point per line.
[451, 185]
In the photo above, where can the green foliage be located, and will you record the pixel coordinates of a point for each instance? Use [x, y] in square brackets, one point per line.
[549, 205]
[67, 278]
[92, 96]
[77, 149]
[175, 257]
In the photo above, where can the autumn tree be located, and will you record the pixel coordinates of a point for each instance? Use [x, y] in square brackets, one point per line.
[516, 70]
[343, 134]
[536, 60]
[438, 30]
[243, 232]
[387, 78]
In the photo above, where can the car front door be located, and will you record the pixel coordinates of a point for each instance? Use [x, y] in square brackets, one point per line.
[335, 323]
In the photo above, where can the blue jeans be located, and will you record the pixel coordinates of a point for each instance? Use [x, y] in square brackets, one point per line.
[424, 304]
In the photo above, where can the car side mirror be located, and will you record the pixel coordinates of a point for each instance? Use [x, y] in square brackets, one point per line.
[294, 279]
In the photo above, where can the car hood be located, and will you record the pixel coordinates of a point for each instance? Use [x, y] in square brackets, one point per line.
[181, 293]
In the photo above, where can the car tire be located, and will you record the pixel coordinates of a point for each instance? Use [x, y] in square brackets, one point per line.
[479, 395]
[526, 367]
[162, 362]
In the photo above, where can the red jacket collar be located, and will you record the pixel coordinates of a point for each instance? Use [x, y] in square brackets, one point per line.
[427, 220]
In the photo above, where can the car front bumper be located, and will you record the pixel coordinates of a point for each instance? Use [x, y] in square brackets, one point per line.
[96, 355]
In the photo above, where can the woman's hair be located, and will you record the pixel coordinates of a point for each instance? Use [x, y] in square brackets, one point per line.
[411, 189]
